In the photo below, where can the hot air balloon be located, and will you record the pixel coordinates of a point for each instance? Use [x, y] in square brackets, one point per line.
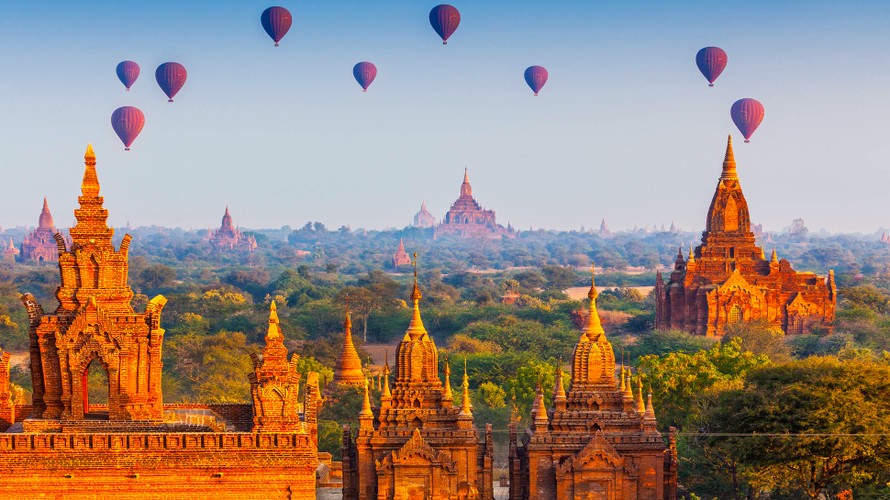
[171, 77]
[364, 73]
[747, 114]
[536, 77]
[127, 122]
[445, 19]
[711, 62]
[127, 72]
[276, 21]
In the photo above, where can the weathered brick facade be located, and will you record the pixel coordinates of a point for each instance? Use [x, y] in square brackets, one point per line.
[228, 237]
[417, 444]
[598, 441]
[728, 277]
[135, 446]
[467, 218]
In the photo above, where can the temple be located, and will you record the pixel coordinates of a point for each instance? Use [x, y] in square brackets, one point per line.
[466, 218]
[424, 218]
[40, 245]
[417, 443]
[132, 445]
[728, 278]
[228, 237]
[348, 371]
[599, 440]
[401, 257]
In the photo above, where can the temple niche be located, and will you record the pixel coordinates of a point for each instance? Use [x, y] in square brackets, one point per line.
[467, 218]
[728, 278]
[417, 443]
[600, 439]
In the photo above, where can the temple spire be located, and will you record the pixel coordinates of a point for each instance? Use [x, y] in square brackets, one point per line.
[90, 185]
[466, 408]
[729, 167]
[348, 370]
[593, 328]
[691, 256]
[416, 329]
[465, 188]
[774, 258]
[559, 392]
[274, 332]
[448, 394]
[46, 218]
[386, 392]
[641, 406]
[366, 415]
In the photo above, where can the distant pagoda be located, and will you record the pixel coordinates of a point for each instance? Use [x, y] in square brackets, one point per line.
[424, 218]
[468, 219]
[229, 238]
[40, 245]
[401, 257]
[728, 278]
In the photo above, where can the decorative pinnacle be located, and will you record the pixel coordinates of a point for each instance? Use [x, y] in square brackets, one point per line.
[448, 394]
[774, 258]
[89, 155]
[416, 329]
[90, 185]
[641, 406]
[466, 408]
[366, 404]
[559, 391]
[274, 326]
[729, 170]
[691, 255]
[593, 328]
[650, 409]
[415, 293]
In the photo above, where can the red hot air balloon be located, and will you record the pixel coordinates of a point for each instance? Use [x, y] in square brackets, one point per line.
[711, 61]
[127, 72]
[127, 122]
[364, 73]
[445, 20]
[536, 77]
[171, 77]
[747, 114]
[276, 21]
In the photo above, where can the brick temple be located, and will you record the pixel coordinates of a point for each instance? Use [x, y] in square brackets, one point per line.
[728, 277]
[400, 257]
[424, 218]
[228, 237]
[599, 440]
[135, 446]
[467, 218]
[40, 245]
[348, 371]
[417, 443]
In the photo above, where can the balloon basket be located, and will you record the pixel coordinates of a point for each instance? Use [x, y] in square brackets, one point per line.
[444, 43]
[169, 100]
[747, 141]
[276, 44]
[128, 89]
[710, 85]
[536, 94]
[364, 90]
[126, 149]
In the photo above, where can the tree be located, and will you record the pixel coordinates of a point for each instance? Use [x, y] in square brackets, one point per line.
[558, 277]
[157, 276]
[806, 425]
[759, 337]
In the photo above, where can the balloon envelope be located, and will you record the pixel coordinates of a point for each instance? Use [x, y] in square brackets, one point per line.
[536, 77]
[364, 73]
[127, 122]
[171, 77]
[444, 18]
[127, 73]
[711, 61]
[747, 114]
[276, 21]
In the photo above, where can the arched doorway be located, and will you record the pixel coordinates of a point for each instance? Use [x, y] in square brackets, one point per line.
[95, 390]
[735, 314]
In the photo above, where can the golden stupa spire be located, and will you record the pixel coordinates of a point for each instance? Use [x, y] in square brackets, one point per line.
[386, 392]
[621, 386]
[774, 258]
[691, 259]
[348, 369]
[366, 412]
[274, 332]
[593, 328]
[762, 254]
[415, 328]
[466, 408]
[540, 416]
[448, 394]
[641, 406]
[559, 392]
[90, 185]
[650, 409]
[729, 170]
[628, 386]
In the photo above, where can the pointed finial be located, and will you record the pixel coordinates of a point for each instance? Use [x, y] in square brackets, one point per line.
[691, 255]
[416, 329]
[540, 417]
[559, 392]
[774, 258]
[628, 387]
[593, 328]
[366, 404]
[89, 155]
[650, 409]
[641, 406]
[274, 326]
[621, 387]
[448, 394]
[680, 253]
[466, 408]
[90, 185]
[729, 167]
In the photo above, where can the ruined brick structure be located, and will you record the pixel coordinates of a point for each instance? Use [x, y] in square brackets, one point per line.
[599, 440]
[728, 277]
[348, 371]
[417, 443]
[10, 252]
[135, 446]
[7, 406]
[228, 237]
[467, 218]
[40, 245]
[401, 257]
[424, 218]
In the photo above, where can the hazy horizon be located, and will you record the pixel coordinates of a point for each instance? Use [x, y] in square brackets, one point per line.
[626, 127]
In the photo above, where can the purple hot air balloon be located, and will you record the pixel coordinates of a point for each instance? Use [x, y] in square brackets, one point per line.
[445, 19]
[127, 122]
[711, 62]
[171, 77]
[747, 114]
[536, 77]
[276, 21]
[127, 72]
[364, 73]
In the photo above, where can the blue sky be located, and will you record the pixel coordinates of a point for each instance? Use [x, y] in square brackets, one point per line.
[626, 128]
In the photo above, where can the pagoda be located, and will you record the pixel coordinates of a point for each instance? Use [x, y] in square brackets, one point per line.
[228, 237]
[417, 443]
[348, 371]
[40, 245]
[401, 257]
[599, 440]
[467, 218]
[424, 218]
[727, 278]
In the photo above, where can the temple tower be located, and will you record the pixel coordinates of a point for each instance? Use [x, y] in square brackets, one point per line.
[348, 371]
[467, 218]
[40, 245]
